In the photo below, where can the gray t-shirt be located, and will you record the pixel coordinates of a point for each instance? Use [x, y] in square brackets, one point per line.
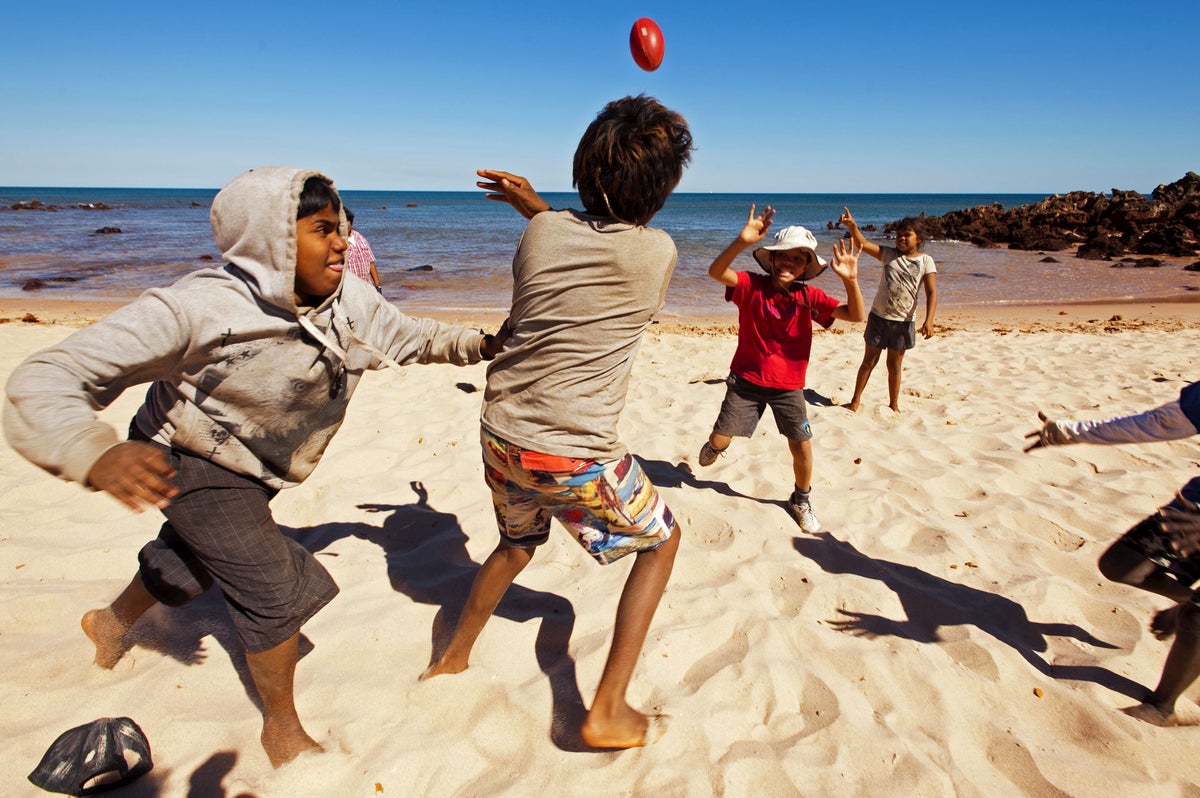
[584, 290]
[896, 298]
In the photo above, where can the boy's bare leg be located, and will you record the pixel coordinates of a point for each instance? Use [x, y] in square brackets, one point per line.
[611, 722]
[895, 359]
[870, 358]
[719, 442]
[109, 627]
[802, 463]
[495, 575]
[1181, 669]
[273, 672]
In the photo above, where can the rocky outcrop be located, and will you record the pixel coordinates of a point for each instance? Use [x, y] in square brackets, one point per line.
[38, 205]
[1104, 226]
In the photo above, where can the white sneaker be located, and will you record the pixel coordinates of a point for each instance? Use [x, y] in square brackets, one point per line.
[801, 509]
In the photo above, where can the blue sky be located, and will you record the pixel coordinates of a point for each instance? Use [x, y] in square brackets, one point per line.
[786, 97]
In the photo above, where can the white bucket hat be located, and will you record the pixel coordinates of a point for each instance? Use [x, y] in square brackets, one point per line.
[794, 237]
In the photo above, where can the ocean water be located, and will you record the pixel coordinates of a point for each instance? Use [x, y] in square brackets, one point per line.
[469, 241]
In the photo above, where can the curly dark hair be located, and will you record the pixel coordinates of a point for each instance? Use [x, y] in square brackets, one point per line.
[630, 159]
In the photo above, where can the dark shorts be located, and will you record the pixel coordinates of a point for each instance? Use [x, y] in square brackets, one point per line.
[744, 405]
[1148, 538]
[884, 333]
[219, 530]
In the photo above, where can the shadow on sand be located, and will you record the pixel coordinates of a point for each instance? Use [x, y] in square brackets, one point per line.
[931, 603]
[426, 556]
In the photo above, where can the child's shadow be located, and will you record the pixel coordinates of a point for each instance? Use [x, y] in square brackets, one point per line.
[427, 560]
[667, 475]
[676, 475]
[814, 398]
[931, 602]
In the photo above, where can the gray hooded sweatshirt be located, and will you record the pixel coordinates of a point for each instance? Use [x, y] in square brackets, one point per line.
[239, 374]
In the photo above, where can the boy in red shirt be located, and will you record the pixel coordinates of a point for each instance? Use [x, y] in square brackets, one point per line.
[775, 318]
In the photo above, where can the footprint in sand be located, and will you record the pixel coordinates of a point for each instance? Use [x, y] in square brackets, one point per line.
[706, 530]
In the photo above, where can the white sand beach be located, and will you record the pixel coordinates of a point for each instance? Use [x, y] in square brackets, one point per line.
[946, 634]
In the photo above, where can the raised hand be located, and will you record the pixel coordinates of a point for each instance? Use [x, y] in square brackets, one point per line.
[757, 226]
[136, 474]
[846, 220]
[845, 258]
[513, 189]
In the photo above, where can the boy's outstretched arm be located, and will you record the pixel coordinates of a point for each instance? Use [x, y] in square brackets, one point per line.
[513, 189]
[845, 265]
[1169, 422]
[754, 232]
[930, 281]
[869, 247]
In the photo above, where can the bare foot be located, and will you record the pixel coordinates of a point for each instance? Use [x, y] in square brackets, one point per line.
[442, 666]
[1164, 623]
[852, 407]
[633, 730]
[108, 634]
[1151, 714]
[895, 408]
[285, 744]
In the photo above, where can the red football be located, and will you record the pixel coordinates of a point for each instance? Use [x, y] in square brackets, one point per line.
[646, 44]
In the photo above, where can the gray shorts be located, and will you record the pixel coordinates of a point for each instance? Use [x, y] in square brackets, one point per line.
[219, 530]
[884, 333]
[744, 405]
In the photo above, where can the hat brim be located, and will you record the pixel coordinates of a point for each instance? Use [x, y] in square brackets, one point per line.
[762, 255]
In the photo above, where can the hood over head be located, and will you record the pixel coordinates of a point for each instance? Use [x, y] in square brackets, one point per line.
[254, 225]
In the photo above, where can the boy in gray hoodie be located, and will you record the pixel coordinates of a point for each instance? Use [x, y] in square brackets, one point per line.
[251, 367]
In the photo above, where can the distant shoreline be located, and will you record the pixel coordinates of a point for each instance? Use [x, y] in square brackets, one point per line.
[1169, 313]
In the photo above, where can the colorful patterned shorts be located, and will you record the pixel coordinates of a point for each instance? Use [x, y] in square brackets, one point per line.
[610, 506]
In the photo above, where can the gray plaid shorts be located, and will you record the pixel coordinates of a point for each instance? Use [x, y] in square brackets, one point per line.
[219, 530]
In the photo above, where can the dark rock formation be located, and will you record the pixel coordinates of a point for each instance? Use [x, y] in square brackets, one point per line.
[1105, 226]
[38, 205]
[108, 230]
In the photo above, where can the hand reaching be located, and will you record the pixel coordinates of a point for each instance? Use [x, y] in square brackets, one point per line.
[492, 344]
[1049, 435]
[513, 189]
[136, 474]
